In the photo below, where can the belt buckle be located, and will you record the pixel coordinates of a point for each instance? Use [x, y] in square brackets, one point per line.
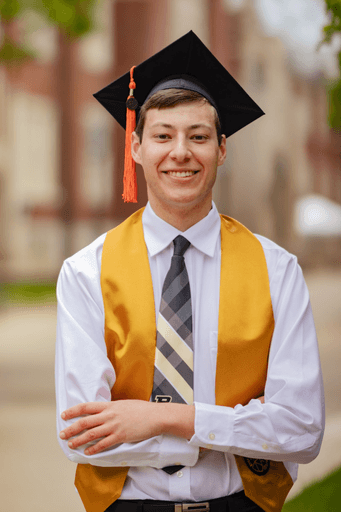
[192, 507]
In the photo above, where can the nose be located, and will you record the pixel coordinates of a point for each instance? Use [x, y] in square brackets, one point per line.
[180, 150]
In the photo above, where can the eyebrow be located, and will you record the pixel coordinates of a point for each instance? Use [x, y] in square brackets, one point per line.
[192, 127]
[164, 125]
[200, 125]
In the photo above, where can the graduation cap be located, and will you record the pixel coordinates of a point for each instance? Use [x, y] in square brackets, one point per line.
[185, 64]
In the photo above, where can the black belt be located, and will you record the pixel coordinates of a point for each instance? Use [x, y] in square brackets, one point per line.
[233, 503]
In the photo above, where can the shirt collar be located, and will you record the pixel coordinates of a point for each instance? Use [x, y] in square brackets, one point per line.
[203, 235]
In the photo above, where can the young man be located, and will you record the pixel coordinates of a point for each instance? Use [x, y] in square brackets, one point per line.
[187, 368]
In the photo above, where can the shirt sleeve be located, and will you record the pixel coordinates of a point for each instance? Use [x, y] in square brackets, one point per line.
[84, 373]
[289, 425]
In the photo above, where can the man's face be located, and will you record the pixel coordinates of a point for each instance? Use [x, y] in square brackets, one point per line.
[179, 154]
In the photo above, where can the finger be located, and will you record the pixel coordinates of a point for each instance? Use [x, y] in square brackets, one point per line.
[89, 436]
[103, 444]
[83, 409]
[85, 423]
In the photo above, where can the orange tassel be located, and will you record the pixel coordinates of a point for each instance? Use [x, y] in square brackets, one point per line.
[129, 178]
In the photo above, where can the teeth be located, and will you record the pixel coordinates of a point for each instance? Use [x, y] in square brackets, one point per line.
[181, 174]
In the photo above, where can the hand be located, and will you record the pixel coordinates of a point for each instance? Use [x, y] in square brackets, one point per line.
[124, 421]
[115, 422]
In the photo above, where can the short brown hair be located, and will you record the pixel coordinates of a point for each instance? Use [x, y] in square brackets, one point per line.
[169, 98]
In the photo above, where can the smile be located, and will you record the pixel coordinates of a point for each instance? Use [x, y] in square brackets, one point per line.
[181, 174]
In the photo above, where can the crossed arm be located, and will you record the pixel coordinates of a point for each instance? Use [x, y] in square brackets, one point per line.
[125, 421]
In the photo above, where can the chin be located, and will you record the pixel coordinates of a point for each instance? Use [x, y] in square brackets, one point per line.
[184, 202]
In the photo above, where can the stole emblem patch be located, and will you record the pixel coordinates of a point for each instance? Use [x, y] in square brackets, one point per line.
[257, 466]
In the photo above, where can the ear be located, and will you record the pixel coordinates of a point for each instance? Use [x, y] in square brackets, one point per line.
[135, 147]
[222, 150]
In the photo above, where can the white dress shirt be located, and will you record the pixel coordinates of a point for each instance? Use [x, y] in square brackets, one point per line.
[287, 427]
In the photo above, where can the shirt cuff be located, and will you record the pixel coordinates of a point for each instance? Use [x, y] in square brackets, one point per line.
[213, 428]
[156, 452]
[177, 451]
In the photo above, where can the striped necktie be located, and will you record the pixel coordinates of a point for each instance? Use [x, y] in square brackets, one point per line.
[173, 371]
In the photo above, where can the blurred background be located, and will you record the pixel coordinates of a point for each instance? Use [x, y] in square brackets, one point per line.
[61, 170]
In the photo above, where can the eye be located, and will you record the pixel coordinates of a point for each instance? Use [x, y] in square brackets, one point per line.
[199, 138]
[162, 136]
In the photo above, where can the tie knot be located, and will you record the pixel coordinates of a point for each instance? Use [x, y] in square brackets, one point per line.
[181, 245]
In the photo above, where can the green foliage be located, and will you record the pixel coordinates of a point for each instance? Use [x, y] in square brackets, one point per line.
[334, 100]
[25, 294]
[74, 18]
[333, 8]
[9, 9]
[13, 54]
[324, 496]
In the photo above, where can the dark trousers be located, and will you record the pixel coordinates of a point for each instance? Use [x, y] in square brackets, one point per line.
[234, 503]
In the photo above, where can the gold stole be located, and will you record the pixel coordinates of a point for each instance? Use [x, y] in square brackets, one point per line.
[244, 336]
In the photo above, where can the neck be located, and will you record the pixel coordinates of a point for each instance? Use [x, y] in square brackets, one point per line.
[182, 217]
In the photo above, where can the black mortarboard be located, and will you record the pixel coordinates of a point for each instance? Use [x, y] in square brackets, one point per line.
[185, 64]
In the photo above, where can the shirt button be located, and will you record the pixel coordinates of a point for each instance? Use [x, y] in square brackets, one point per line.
[211, 436]
[265, 446]
[180, 474]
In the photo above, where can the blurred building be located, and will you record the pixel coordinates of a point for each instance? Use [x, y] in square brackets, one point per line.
[288, 154]
[61, 154]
